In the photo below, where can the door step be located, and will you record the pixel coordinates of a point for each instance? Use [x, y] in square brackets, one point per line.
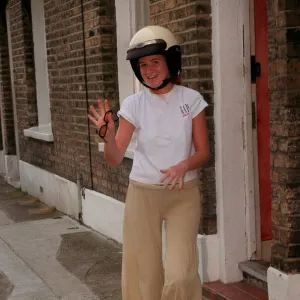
[234, 291]
[253, 287]
[255, 273]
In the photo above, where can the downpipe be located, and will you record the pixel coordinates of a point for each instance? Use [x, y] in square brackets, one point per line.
[79, 195]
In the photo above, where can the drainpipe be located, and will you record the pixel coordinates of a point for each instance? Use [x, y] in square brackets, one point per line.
[86, 94]
[79, 196]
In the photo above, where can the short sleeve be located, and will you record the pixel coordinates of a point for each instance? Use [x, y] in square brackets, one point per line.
[198, 105]
[128, 110]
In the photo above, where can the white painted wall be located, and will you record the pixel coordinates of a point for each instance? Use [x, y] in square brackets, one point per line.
[104, 214]
[282, 286]
[11, 166]
[250, 147]
[57, 191]
[208, 246]
[231, 95]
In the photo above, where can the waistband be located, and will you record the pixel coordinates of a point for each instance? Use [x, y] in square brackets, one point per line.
[186, 185]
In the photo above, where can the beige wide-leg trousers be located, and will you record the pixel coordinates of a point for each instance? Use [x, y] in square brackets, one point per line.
[143, 275]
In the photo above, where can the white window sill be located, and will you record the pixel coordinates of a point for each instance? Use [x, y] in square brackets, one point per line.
[129, 152]
[41, 132]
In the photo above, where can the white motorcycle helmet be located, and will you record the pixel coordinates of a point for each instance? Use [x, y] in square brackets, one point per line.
[153, 40]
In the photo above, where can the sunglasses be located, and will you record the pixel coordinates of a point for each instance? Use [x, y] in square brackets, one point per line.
[103, 129]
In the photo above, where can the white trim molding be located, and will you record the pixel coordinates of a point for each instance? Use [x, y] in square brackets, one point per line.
[9, 169]
[11, 166]
[41, 132]
[104, 214]
[40, 61]
[282, 286]
[53, 190]
[235, 213]
[125, 18]
[44, 129]
[131, 15]
[129, 153]
[208, 246]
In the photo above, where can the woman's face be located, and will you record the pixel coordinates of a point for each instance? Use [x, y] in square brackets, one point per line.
[154, 69]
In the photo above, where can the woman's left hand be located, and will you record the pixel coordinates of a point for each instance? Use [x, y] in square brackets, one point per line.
[174, 175]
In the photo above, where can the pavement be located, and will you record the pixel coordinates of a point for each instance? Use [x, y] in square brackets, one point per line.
[45, 255]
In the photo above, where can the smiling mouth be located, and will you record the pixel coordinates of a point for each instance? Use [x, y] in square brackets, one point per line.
[152, 77]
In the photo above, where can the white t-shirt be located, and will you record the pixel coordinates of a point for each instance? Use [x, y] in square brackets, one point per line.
[163, 127]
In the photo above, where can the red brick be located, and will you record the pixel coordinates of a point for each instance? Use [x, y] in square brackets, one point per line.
[284, 86]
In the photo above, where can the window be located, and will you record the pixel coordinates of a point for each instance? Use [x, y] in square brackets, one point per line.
[44, 129]
[131, 15]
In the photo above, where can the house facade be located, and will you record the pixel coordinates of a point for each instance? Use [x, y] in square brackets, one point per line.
[58, 57]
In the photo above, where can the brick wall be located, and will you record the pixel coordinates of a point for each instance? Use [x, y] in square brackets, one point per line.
[63, 22]
[190, 21]
[284, 90]
[102, 77]
[79, 74]
[82, 69]
[7, 116]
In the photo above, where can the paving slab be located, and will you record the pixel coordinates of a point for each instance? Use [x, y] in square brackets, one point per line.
[51, 256]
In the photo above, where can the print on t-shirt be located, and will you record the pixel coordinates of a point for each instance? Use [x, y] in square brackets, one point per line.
[185, 110]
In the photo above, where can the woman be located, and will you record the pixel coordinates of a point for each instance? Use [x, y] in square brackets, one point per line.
[172, 143]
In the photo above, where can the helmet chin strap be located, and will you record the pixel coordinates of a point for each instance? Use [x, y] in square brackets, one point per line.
[164, 84]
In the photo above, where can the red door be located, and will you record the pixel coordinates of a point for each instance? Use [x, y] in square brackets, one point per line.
[263, 118]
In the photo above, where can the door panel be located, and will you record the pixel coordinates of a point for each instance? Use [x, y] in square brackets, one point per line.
[263, 118]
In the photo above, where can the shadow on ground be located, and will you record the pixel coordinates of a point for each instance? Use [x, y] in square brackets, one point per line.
[6, 287]
[18, 206]
[94, 260]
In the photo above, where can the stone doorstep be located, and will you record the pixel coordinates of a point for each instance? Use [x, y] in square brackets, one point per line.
[255, 273]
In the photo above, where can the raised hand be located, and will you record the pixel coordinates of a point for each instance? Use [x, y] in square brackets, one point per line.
[103, 120]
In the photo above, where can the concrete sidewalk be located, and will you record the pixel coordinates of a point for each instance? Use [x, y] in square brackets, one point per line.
[45, 255]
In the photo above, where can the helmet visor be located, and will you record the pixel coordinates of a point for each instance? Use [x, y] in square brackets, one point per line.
[146, 48]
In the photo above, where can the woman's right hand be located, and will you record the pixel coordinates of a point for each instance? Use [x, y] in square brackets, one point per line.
[98, 119]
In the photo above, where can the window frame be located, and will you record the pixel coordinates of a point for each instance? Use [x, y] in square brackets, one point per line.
[131, 15]
[44, 129]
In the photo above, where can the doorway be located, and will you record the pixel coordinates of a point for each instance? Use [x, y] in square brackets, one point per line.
[261, 127]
